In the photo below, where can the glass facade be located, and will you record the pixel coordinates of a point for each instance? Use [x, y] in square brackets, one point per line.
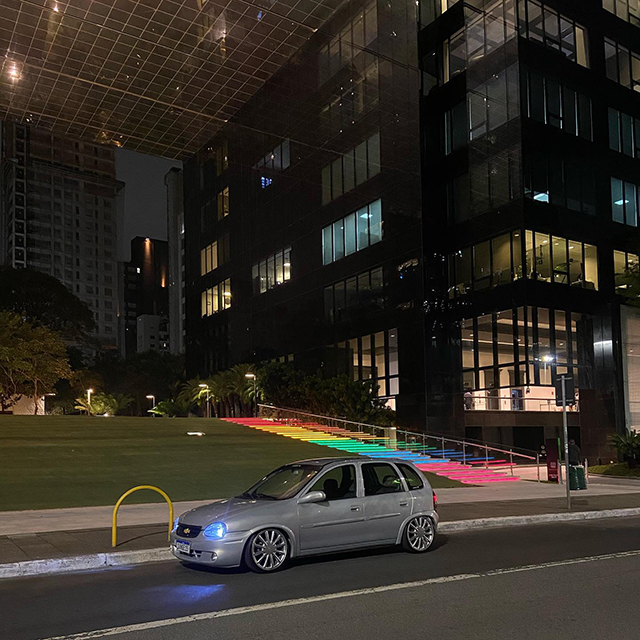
[624, 202]
[628, 10]
[551, 102]
[622, 64]
[272, 271]
[358, 294]
[355, 232]
[542, 23]
[373, 357]
[510, 359]
[351, 169]
[624, 133]
[215, 254]
[626, 267]
[216, 298]
[513, 256]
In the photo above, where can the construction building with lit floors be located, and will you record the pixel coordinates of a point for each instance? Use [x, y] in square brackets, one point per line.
[442, 198]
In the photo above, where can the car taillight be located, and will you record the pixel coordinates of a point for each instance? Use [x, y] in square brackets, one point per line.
[435, 501]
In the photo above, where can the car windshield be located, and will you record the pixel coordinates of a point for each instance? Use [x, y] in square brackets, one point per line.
[283, 483]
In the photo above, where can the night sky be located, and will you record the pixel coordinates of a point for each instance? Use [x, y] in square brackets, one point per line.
[145, 196]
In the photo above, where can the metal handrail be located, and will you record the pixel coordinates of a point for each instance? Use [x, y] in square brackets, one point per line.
[364, 427]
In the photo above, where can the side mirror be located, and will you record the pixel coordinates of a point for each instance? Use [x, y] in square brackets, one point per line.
[313, 496]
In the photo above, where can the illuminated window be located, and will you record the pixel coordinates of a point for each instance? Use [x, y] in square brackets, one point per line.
[272, 271]
[216, 298]
[628, 10]
[355, 232]
[223, 203]
[622, 64]
[624, 202]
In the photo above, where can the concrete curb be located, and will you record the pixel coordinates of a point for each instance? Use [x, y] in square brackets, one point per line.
[120, 558]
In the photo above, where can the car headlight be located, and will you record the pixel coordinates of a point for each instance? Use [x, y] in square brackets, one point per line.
[216, 530]
[175, 523]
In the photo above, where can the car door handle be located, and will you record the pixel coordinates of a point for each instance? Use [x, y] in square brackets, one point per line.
[404, 504]
[355, 508]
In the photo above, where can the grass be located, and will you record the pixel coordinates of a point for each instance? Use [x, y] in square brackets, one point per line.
[618, 469]
[71, 461]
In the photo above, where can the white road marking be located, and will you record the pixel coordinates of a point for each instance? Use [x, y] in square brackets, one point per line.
[155, 624]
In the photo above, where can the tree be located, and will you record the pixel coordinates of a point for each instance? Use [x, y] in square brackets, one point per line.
[32, 358]
[45, 301]
[104, 404]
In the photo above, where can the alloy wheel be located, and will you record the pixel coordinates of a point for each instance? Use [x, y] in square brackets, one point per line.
[420, 533]
[269, 549]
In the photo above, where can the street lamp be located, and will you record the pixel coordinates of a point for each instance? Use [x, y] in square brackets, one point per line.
[89, 392]
[153, 400]
[202, 385]
[252, 376]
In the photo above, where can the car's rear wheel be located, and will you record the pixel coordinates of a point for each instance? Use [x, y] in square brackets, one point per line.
[267, 551]
[418, 534]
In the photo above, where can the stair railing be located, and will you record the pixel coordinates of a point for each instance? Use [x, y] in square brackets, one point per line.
[390, 437]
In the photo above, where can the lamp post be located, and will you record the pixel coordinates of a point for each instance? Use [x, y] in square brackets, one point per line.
[252, 376]
[153, 401]
[202, 385]
[89, 392]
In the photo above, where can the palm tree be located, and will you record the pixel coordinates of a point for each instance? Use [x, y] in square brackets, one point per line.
[193, 393]
[121, 403]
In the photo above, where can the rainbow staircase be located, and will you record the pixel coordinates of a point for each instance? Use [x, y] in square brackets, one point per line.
[442, 462]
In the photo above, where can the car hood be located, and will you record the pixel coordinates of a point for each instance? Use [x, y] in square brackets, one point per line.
[221, 510]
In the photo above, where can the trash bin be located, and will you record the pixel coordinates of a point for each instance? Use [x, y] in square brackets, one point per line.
[582, 480]
[573, 478]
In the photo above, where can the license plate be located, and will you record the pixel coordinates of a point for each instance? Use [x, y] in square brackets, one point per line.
[183, 547]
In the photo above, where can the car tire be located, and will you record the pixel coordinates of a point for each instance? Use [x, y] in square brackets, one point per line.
[267, 551]
[418, 534]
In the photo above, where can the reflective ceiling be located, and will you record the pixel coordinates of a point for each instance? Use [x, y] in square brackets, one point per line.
[155, 76]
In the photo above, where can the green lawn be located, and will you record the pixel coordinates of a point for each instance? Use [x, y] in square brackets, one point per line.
[69, 461]
[619, 469]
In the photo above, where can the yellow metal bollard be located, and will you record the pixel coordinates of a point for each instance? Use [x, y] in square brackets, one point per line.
[114, 523]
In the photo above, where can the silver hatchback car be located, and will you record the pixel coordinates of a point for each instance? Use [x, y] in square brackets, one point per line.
[311, 507]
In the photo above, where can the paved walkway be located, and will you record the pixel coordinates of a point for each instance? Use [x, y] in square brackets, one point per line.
[83, 518]
[454, 504]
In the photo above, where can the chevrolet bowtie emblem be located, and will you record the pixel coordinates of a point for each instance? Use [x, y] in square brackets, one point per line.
[187, 531]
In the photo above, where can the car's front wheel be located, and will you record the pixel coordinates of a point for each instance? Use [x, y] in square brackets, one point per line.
[418, 534]
[267, 551]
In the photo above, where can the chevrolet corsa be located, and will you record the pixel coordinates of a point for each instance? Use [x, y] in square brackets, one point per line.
[311, 507]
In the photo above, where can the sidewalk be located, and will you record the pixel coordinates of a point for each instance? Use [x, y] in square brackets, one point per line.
[454, 505]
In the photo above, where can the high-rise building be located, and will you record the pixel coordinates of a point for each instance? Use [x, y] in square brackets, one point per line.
[303, 218]
[450, 210]
[61, 214]
[531, 118]
[146, 293]
[175, 235]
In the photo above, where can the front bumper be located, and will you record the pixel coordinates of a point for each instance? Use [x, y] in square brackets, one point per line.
[215, 553]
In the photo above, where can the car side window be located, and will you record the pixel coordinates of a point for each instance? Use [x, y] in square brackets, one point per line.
[337, 484]
[380, 478]
[414, 481]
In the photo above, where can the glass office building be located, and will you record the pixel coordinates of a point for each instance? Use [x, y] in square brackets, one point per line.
[440, 196]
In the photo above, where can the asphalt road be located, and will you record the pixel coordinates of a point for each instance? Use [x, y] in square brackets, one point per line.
[485, 584]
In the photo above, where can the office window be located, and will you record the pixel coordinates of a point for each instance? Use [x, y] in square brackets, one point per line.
[354, 101]
[455, 128]
[353, 233]
[499, 261]
[511, 358]
[626, 267]
[430, 10]
[351, 169]
[343, 48]
[622, 64]
[548, 101]
[566, 183]
[209, 258]
[485, 32]
[624, 202]
[544, 24]
[223, 203]
[271, 271]
[216, 298]
[278, 159]
[349, 298]
[624, 133]
[628, 10]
